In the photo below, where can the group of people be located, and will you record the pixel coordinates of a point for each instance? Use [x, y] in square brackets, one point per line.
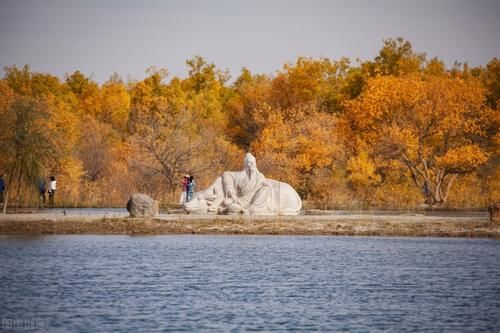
[47, 187]
[188, 185]
[44, 187]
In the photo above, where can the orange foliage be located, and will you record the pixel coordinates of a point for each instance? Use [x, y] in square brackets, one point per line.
[428, 124]
[377, 133]
[295, 146]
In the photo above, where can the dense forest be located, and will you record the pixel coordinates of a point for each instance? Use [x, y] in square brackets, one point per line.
[401, 130]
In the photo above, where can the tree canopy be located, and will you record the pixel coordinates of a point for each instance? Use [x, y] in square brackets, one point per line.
[398, 130]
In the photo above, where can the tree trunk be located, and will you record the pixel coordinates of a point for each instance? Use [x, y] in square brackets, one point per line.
[6, 198]
[442, 188]
[432, 190]
[19, 179]
[435, 192]
[447, 192]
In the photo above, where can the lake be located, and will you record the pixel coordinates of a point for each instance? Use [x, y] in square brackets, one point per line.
[106, 283]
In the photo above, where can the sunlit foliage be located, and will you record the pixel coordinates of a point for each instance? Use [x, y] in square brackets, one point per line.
[400, 130]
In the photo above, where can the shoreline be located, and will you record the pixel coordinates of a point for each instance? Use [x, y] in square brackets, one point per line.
[410, 225]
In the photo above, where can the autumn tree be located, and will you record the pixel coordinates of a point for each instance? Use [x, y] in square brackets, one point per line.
[310, 83]
[175, 127]
[250, 97]
[165, 146]
[435, 67]
[299, 147]
[205, 90]
[29, 145]
[85, 97]
[95, 149]
[431, 125]
[361, 174]
[396, 57]
[7, 134]
[491, 79]
[147, 98]
[39, 128]
[115, 105]
[373, 131]
[78, 83]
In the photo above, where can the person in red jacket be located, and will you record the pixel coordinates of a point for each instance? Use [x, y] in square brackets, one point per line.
[184, 184]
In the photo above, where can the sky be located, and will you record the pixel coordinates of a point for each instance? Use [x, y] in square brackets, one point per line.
[100, 37]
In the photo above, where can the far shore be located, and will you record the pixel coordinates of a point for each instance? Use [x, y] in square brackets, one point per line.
[411, 225]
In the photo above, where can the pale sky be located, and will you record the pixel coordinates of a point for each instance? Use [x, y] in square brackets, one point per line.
[99, 37]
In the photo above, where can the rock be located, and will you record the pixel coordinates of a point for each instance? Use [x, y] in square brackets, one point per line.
[142, 205]
[494, 211]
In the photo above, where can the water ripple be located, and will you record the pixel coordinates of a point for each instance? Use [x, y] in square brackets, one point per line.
[233, 283]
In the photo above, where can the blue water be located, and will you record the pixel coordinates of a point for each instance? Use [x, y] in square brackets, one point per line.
[95, 283]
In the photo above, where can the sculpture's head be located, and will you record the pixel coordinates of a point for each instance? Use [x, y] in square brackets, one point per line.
[250, 164]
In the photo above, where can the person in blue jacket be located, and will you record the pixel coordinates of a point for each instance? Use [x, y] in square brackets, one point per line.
[191, 185]
[2, 188]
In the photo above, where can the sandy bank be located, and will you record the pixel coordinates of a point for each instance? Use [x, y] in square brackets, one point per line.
[355, 225]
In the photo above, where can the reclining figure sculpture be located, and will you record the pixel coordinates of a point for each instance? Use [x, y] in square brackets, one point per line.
[246, 192]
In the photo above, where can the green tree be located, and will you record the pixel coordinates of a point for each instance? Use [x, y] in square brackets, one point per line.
[398, 58]
[491, 79]
[27, 147]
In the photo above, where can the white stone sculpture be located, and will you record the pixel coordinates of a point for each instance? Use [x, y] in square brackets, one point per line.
[246, 192]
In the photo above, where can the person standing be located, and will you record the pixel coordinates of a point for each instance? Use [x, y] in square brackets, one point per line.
[184, 184]
[2, 188]
[52, 190]
[190, 188]
[42, 189]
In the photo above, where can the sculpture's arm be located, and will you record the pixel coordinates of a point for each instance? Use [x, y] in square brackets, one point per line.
[228, 185]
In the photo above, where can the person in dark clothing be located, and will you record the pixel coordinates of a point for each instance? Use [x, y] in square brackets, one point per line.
[42, 189]
[426, 189]
[2, 188]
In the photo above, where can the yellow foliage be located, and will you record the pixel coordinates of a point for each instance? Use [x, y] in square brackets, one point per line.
[6, 134]
[361, 171]
[396, 195]
[295, 145]
[63, 124]
[115, 105]
[473, 191]
[69, 172]
[309, 83]
[462, 159]
[426, 123]
[339, 134]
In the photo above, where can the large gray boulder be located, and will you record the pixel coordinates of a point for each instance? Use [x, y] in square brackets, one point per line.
[142, 205]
